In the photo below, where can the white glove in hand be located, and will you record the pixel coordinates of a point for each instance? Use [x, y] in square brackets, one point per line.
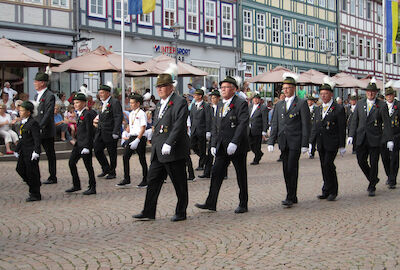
[264, 133]
[35, 156]
[115, 136]
[349, 140]
[213, 151]
[270, 148]
[390, 145]
[231, 149]
[342, 151]
[16, 154]
[309, 149]
[304, 150]
[166, 149]
[208, 135]
[85, 151]
[134, 144]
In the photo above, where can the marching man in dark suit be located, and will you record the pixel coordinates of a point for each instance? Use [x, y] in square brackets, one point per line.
[349, 117]
[108, 124]
[290, 127]
[229, 143]
[83, 146]
[28, 151]
[390, 159]
[200, 129]
[329, 132]
[170, 147]
[45, 118]
[311, 105]
[370, 115]
[258, 124]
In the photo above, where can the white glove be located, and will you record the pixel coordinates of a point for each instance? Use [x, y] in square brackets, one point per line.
[16, 154]
[85, 151]
[304, 150]
[349, 140]
[134, 144]
[231, 149]
[115, 136]
[270, 148]
[35, 156]
[390, 145]
[213, 151]
[309, 149]
[189, 131]
[264, 133]
[342, 151]
[208, 135]
[166, 149]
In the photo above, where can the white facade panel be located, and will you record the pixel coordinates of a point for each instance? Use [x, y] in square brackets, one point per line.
[361, 64]
[59, 19]
[369, 65]
[96, 23]
[33, 15]
[7, 12]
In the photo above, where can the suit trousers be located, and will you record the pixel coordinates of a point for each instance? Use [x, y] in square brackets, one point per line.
[255, 146]
[328, 168]
[365, 151]
[141, 151]
[48, 145]
[313, 147]
[198, 144]
[87, 160]
[222, 161]
[189, 166]
[290, 160]
[157, 174]
[29, 171]
[390, 160]
[99, 146]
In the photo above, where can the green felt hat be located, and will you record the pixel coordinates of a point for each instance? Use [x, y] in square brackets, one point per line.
[41, 76]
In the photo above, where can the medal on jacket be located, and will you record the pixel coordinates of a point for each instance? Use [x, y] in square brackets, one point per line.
[376, 123]
[327, 125]
[290, 115]
[20, 131]
[161, 129]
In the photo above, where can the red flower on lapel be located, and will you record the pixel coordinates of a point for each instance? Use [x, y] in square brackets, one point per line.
[170, 103]
[82, 117]
[42, 99]
[108, 105]
[395, 107]
[377, 106]
[332, 108]
[294, 104]
[231, 106]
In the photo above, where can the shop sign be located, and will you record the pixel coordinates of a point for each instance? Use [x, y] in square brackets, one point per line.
[170, 50]
[84, 47]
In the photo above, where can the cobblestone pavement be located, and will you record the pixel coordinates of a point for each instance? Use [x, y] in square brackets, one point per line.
[97, 232]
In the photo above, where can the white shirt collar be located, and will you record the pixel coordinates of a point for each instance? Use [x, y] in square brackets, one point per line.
[164, 101]
[23, 121]
[227, 100]
[328, 104]
[290, 98]
[80, 112]
[389, 103]
[371, 101]
[107, 100]
[199, 103]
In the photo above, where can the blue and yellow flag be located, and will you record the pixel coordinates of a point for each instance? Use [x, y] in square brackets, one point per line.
[392, 22]
[141, 6]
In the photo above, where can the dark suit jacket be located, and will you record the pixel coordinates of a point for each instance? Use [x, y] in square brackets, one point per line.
[371, 127]
[199, 119]
[290, 128]
[259, 119]
[30, 138]
[233, 128]
[85, 130]
[349, 117]
[45, 116]
[172, 130]
[110, 120]
[329, 132]
[395, 123]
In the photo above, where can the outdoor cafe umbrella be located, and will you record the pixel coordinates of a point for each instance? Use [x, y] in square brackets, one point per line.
[311, 77]
[365, 81]
[272, 76]
[345, 80]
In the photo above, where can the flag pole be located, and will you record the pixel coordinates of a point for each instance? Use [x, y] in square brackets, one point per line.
[122, 53]
[384, 46]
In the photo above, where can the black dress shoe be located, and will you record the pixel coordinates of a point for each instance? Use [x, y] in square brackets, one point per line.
[371, 193]
[142, 184]
[199, 169]
[205, 207]
[178, 218]
[124, 183]
[311, 157]
[254, 163]
[287, 203]
[203, 176]
[111, 176]
[90, 191]
[141, 216]
[73, 189]
[33, 198]
[279, 160]
[331, 198]
[295, 200]
[240, 210]
[322, 197]
[392, 186]
[191, 178]
[102, 174]
[49, 182]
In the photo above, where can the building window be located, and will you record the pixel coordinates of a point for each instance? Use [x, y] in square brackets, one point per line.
[226, 20]
[261, 69]
[361, 47]
[322, 39]
[322, 3]
[276, 30]
[361, 8]
[192, 16]
[344, 44]
[368, 49]
[261, 27]
[379, 51]
[287, 27]
[210, 18]
[369, 10]
[97, 8]
[300, 35]
[344, 5]
[379, 14]
[169, 13]
[40, 2]
[117, 10]
[352, 46]
[310, 1]
[311, 36]
[331, 4]
[145, 19]
[247, 24]
[332, 41]
[353, 7]
[60, 3]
